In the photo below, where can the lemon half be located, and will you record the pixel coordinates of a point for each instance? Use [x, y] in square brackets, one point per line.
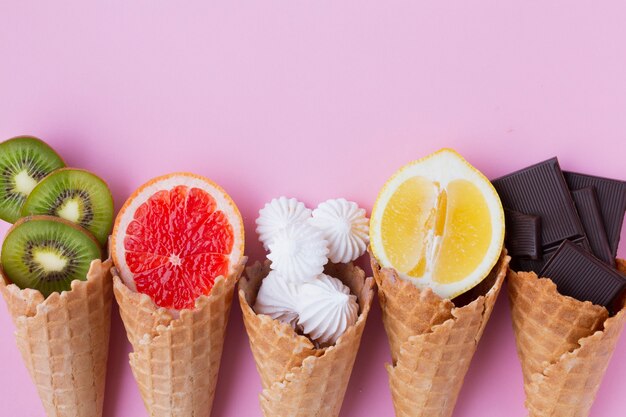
[439, 222]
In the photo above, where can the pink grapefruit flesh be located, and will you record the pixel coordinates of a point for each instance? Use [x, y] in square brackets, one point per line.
[174, 236]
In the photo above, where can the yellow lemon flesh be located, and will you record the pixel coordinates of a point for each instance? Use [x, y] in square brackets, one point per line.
[439, 222]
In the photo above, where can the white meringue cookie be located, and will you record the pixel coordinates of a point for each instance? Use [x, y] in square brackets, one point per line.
[326, 309]
[345, 227]
[277, 298]
[277, 215]
[298, 252]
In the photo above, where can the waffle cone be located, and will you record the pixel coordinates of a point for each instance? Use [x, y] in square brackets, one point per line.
[300, 380]
[176, 360]
[432, 342]
[64, 341]
[564, 345]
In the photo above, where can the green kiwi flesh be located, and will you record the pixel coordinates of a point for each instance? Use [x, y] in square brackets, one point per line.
[46, 253]
[24, 161]
[75, 195]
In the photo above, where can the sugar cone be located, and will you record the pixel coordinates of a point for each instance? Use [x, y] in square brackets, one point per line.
[432, 342]
[298, 379]
[564, 345]
[176, 361]
[64, 341]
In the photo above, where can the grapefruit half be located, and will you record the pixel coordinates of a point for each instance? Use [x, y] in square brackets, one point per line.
[174, 236]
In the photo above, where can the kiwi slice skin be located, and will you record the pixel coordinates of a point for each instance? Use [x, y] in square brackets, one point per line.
[76, 195]
[47, 253]
[24, 161]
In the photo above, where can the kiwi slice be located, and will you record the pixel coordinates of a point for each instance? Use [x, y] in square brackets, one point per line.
[75, 195]
[47, 253]
[24, 161]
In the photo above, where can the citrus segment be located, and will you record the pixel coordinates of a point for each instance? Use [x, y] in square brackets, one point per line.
[440, 223]
[403, 232]
[174, 236]
[467, 232]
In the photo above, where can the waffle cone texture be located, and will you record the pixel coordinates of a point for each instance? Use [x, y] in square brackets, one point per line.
[176, 360]
[64, 341]
[298, 379]
[432, 341]
[564, 345]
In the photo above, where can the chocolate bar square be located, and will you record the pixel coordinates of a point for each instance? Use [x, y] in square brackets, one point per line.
[537, 266]
[523, 235]
[541, 190]
[611, 198]
[589, 212]
[582, 276]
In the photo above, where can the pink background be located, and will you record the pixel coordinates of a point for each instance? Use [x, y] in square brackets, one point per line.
[314, 100]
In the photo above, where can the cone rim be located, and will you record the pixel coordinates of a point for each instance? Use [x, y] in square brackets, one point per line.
[202, 300]
[368, 285]
[56, 297]
[501, 264]
[547, 281]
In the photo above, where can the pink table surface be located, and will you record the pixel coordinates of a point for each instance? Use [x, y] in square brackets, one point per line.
[314, 100]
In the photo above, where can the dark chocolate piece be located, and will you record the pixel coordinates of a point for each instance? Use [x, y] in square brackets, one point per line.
[541, 190]
[612, 199]
[589, 212]
[579, 274]
[537, 265]
[523, 235]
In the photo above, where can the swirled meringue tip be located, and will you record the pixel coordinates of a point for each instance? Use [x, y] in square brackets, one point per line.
[277, 215]
[345, 226]
[326, 309]
[299, 252]
[277, 298]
